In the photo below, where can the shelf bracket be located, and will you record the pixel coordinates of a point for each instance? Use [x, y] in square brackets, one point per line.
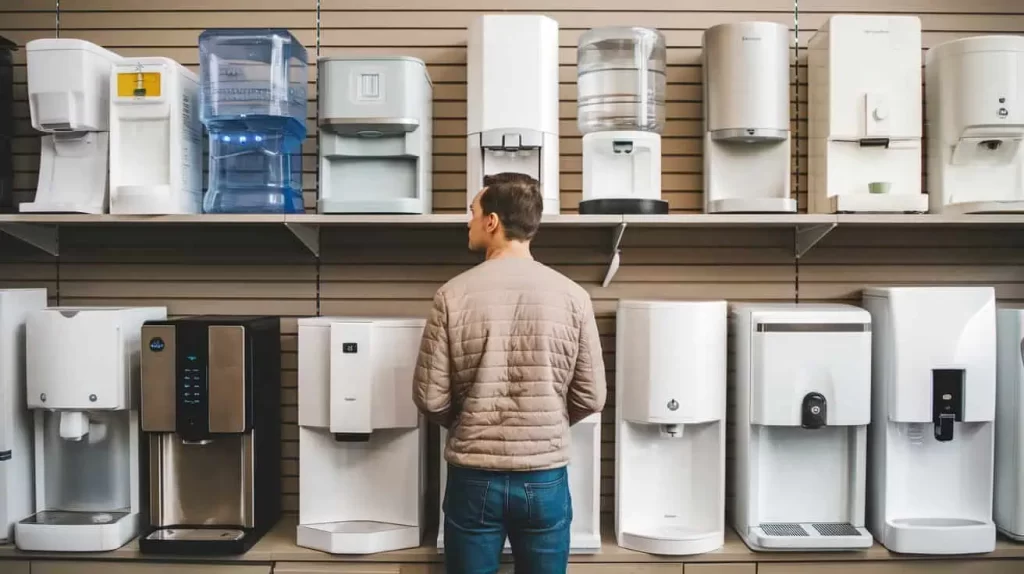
[43, 237]
[613, 265]
[308, 234]
[807, 236]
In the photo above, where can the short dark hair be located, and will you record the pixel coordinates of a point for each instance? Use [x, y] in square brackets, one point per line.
[516, 199]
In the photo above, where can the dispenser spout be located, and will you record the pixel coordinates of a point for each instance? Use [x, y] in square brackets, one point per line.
[944, 427]
[672, 431]
[74, 425]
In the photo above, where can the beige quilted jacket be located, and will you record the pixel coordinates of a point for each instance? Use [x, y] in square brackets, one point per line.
[510, 358]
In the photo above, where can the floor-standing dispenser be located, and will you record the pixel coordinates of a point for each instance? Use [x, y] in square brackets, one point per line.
[156, 162]
[1009, 464]
[82, 372]
[803, 404]
[865, 115]
[670, 426]
[211, 403]
[974, 89]
[621, 113]
[16, 491]
[69, 99]
[376, 124]
[584, 483]
[512, 119]
[933, 402]
[362, 455]
[746, 118]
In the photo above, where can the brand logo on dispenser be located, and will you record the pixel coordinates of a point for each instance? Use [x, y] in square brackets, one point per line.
[156, 344]
[876, 31]
[349, 347]
[751, 38]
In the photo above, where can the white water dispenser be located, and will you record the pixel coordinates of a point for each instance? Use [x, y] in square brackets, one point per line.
[621, 113]
[975, 113]
[362, 456]
[803, 404]
[16, 460]
[933, 404]
[1009, 463]
[82, 368]
[864, 92]
[670, 426]
[156, 138]
[512, 100]
[376, 124]
[69, 99]
[746, 118]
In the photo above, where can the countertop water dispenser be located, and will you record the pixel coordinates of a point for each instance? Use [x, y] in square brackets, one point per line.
[746, 118]
[82, 372]
[156, 162]
[16, 460]
[621, 113]
[933, 403]
[362, 455]
[512, 101]
[670, 426]
[69, 100]
[865, 115]
[253, 104]
[211, 404]
[376, 125]
[803, 404]
[974, 90]
[7, 49]
[584, 483]
[1009, 463]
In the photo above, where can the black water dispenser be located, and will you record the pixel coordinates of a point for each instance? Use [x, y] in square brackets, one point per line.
[7, 49]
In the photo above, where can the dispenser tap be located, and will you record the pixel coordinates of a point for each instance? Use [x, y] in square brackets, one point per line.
[947, 401]
[813, 411]
[672, 431]
[944, 427]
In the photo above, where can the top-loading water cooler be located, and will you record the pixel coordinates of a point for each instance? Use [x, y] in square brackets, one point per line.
[865, 115]
[975, 113]
[69, 99]
[376, 124]
[670, 426]
[512, 100]
[746, 118]
[803, 404]
[156, 162]
[621, 113]
[933, 402]
[362, 456]
[1009, 463]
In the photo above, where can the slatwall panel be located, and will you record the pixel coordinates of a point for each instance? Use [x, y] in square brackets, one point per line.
[195, 269]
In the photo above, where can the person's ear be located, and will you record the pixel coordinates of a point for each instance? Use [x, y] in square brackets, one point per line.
[492, 222]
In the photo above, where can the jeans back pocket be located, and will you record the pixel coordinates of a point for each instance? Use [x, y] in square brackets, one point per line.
[465, 502]
[548, 503]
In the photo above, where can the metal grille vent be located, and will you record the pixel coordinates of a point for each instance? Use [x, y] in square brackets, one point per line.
[835, 529]
[783, 529]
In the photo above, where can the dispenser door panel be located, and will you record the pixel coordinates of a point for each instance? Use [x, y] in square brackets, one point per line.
[227, 379]
[202, 484]
[159, 378]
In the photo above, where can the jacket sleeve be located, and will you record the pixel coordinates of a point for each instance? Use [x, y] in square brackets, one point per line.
[432, 390]
[588, 389]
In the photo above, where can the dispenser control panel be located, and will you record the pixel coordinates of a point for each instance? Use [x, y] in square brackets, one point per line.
[193, 384]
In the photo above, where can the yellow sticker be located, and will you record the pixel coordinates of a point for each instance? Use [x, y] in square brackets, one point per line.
[138, 85]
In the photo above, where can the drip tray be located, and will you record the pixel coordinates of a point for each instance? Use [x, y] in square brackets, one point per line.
[70, 518]
[197, 534]
[809, 529]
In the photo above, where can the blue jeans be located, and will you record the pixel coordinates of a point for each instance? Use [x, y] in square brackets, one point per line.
[533, 509]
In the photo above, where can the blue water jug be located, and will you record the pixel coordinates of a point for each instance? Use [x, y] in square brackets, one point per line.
[254, 108]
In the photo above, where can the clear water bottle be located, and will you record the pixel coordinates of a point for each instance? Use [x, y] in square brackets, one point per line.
[621, 80]
[254, 108]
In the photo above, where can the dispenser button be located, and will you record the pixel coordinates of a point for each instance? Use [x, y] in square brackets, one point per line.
[881, 112]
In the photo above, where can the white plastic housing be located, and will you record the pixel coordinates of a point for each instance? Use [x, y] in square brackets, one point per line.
[584, 483]
[376, 125]
[156, 164]
[69, 87]
[1009, 458]
[865, 114]
[16, 460]
[670, 426]
[921, 335]
[800, 485]
[611, 173]
[975, 96]
[746, 118]
[512, 101]
[363, 494]
[82, 369]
